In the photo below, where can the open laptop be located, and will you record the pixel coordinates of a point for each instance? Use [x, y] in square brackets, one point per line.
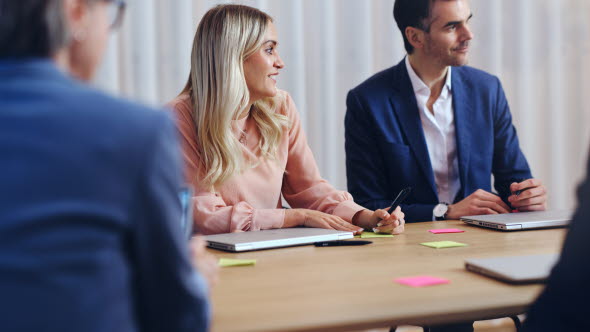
[515, 269]
[522, 220]
[273, 238]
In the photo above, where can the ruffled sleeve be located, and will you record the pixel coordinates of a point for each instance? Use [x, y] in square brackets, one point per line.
[211, 213]
[213, 216]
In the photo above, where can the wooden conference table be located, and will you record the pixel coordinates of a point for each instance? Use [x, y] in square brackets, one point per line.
[350, 288]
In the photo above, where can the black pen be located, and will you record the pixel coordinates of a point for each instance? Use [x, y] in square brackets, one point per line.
[518, 192]
[399, 199]
[338, 243]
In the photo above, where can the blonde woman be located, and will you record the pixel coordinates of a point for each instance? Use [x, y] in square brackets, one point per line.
[242, 138]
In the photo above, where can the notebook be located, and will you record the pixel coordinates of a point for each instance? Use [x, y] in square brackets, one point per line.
[515, 269]
[522, 220]
[273, 238]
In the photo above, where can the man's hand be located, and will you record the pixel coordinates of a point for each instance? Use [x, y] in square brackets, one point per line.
[478, 203]
[529, 195]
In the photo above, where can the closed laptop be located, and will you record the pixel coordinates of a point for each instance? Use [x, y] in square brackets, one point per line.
[522, 220]
[515, 269]
[273, 238]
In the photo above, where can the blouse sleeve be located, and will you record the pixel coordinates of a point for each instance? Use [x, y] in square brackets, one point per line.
[210, 212]
[303, 186]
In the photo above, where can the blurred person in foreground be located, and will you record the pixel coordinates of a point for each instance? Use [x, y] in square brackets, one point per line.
[561, 305]
[90, 236]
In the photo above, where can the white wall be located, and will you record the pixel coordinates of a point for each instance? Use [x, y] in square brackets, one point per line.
[540, 49]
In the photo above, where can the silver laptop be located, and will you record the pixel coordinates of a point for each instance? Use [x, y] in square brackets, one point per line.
[522, 220]
[273, 238]
[515, 269]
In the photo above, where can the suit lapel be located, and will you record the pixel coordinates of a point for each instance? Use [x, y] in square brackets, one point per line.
[463, 120]
[406, 109]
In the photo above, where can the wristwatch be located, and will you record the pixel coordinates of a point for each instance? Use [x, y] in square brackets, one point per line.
[440, 211]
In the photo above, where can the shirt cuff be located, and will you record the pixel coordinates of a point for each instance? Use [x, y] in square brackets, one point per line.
[347, 209]
[267, 219]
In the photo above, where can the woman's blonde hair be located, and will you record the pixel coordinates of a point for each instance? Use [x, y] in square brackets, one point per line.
[226, 36]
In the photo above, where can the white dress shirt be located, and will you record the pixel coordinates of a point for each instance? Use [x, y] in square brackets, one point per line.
[439, 131]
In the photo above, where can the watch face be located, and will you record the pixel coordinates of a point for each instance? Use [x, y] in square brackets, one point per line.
[440, 210]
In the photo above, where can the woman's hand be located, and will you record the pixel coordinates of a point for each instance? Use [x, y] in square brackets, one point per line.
[380, 221]
[317, 219]
[203, 261]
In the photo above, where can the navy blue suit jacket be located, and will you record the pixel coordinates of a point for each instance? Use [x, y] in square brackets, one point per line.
[90, 236]
[386, 150]
[563, 305]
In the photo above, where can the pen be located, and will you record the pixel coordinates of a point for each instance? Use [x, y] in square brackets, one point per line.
[340, 243]
[399, 199]
[396, 202]
[518, 192]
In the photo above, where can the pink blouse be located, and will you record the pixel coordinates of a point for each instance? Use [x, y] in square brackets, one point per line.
[252, 200]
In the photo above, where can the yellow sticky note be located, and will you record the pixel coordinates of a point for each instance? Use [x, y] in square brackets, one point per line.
[226, 262]
[371, 235]
[443, 244]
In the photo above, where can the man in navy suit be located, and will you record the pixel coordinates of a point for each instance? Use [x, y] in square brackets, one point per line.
[436, 125]
[90, 236]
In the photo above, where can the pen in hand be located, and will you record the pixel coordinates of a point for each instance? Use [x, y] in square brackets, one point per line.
[399, 199]
[518, 192]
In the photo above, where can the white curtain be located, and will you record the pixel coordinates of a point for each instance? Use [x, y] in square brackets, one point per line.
[540, 49]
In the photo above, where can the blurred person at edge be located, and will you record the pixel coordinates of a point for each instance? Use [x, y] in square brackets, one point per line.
[90, 236]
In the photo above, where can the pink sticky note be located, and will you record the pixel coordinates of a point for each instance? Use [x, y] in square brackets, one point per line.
[422, 281]
[445, 231]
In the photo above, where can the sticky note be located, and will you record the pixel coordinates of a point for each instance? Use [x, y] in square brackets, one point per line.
[422, 281]
[445, 231]
[371, 235]
[443, 244]
[226, 262]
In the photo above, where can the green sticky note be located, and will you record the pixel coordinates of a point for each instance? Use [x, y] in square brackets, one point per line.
[226, 262]
[443, 244]
[371, 235]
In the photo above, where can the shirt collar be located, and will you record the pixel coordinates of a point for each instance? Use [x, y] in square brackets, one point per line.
[421, 88]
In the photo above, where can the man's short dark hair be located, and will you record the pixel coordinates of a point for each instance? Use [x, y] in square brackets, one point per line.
[411, 13]
[31, 28]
